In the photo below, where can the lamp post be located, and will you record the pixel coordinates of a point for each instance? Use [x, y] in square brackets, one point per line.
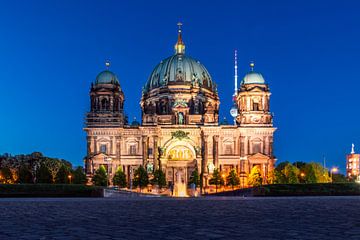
[69, 177]
[333, 170]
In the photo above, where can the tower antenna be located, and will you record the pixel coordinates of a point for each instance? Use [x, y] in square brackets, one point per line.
[236, 73]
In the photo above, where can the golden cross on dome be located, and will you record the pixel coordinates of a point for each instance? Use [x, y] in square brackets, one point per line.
[179, 26]
[179, 46]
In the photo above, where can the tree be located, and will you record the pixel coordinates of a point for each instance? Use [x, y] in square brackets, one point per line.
[216, 179]
[43, 174]
[79, 176]
[119, 178]
[141, 178]
[62, 175]
[315, 173]
[6, 175]
[255, 179]
[53, 166]
[25, 175]
[291, 173]
[233, 179]
[100, 177]
[195, 178]
[159, 178]
[339, 178]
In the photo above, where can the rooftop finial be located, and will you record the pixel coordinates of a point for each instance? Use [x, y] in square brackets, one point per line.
[352, 148]
[107, 64]
[252, 65]
[179, 46]
[236, 73]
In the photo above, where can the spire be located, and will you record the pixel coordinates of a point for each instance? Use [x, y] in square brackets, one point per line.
[236, 74]
[352, 148]
[252, 65]
[179, 46]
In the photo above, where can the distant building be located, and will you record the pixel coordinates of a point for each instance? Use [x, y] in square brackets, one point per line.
[179, 129]
[353, 164]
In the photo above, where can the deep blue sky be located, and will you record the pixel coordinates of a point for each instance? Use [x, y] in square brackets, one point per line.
[308, 51]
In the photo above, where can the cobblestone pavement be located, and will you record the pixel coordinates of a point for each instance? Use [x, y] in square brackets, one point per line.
[164, 218]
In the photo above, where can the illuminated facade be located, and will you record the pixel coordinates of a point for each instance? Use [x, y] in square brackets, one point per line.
[353, 164]
[180, 128]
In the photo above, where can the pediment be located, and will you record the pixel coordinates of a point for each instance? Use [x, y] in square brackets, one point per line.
[259, 156]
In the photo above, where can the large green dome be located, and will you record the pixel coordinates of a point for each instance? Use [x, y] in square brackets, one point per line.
[179, 69]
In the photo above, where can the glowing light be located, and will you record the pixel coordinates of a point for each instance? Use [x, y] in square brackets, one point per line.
[334, 169]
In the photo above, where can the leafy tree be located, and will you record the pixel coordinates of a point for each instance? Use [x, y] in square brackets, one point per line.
[255, 179]
[321, 173]
[300, 165]
[100, 177]
[339, 178]
[62, 175]
[233, 179]
[271, 178]
[6, 176]
[25, 175]
[291, 173]
[53, 166]
[141, 178]
[79, 176]
[216, 179]
[316, 173]
[195, 178]
[43, 174]
[159, 178]
[119, 178]
[280, 167]
[279, 177]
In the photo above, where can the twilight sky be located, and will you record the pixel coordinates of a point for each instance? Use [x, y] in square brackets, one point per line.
[308, 52]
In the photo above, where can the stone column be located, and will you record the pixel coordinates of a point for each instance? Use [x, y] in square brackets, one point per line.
[216, 150]
[88, 145]
[111, 145]
[118, 148]
[204, 153]
[95, 145]
[145, 140]
[156, 153]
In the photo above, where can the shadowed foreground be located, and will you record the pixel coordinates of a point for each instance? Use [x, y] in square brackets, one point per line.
[164, 218]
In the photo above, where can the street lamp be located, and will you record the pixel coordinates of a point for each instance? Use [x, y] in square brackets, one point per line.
[69, 178]
[333, 170]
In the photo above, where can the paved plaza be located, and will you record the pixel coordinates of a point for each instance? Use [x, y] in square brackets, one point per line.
[167, 218]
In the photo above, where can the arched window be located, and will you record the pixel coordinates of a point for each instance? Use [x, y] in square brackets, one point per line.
[103, 148]
[104, 104]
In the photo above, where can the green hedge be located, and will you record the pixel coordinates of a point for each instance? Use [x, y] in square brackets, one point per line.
[316, 189]
[49, 190]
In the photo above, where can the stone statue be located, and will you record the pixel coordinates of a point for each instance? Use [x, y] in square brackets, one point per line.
[149, 167]
[181, 118]
[352, 148]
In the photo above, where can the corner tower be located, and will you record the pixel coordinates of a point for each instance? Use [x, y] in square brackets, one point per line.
[255, 123]
[106, 101]
[253, 101]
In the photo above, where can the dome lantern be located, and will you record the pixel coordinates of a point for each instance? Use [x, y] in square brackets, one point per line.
[180, 45]
[253, 77]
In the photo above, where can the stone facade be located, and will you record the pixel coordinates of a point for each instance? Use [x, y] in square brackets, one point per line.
[180, 130]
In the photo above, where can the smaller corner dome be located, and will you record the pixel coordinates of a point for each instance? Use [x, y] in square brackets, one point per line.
[107, 77]
[253, 78]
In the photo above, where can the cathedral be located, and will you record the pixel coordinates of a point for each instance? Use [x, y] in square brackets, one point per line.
[180, 130]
